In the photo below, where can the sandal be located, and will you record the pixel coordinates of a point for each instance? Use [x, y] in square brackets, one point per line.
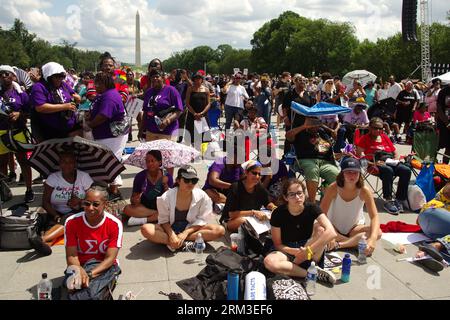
[431, 251]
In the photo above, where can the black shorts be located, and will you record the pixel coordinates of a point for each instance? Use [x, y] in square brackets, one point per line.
[404, 114]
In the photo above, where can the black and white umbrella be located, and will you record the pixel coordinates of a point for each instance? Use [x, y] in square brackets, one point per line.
[93, 158]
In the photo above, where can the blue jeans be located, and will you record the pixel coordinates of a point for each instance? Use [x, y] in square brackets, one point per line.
[343, 133]
[230, 113]
[435, 223]
[387, 174]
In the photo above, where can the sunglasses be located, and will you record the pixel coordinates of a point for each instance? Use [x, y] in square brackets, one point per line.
[255, 173]
[292, 195]
[193, 180]
[95, 204]
[5, 73]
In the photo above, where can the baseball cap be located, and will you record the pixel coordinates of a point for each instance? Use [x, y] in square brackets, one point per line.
[187, 172]
[350, 164]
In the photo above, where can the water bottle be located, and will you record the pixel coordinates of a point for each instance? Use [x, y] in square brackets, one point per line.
[255, 286]
[362, 245]
[232, 286]
[311, 279]
[346, 265]
[44, 288]
[199, 247]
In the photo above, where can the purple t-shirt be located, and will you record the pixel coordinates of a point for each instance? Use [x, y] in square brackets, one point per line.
[110, 105]
[229, 175]
[18, 102]
[142, 185]
[41, 95]
[167, 97]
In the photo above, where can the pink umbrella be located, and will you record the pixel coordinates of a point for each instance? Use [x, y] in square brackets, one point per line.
[173, 154]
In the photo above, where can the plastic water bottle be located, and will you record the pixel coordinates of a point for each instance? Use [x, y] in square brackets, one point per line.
[255, 286]
[346, 265]
[44, 288]
[199, 247]
[362, 245]
[232, 286]
[311, 279]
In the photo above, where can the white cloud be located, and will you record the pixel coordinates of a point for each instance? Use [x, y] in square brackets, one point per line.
[171, 25]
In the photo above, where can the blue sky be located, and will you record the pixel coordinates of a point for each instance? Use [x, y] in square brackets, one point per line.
[168, 25]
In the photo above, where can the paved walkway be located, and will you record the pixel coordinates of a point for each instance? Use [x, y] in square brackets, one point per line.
[149, 269]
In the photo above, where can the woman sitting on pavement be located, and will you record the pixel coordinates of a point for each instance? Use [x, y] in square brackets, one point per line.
[63, 193]
[344, 201]
[182, 214]
[147, 186]
[297, 239]
[246, 198]
[378, 149]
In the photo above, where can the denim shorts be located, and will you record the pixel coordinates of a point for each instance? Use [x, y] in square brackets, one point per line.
[179, 226]
[297, 244]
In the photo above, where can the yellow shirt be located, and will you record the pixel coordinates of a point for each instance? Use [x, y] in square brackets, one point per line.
[440, 201]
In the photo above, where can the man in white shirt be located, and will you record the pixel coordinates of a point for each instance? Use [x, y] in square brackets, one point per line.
[394, 89]
[236, 94]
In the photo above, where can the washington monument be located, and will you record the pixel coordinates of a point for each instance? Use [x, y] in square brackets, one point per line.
[138, 41]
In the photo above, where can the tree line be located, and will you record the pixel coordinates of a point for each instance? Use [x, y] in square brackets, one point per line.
[298, 44]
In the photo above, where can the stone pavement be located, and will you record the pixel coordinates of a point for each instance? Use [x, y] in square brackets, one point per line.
[149, 269]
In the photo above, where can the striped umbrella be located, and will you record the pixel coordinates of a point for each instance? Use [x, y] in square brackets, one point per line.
[23, 78]
[93, 158]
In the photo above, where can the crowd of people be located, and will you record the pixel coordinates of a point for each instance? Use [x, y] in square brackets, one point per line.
[172, 210]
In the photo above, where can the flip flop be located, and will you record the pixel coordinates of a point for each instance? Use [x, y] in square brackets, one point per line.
[431, 264]
[431, 251]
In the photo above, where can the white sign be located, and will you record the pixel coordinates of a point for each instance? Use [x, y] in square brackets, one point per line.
[236, 70]
[245, 72]
[134, 106]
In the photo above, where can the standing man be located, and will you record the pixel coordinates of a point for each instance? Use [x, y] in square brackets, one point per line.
[234, 104]
[406, 104]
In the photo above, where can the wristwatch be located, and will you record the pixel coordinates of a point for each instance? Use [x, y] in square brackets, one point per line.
[89, 274]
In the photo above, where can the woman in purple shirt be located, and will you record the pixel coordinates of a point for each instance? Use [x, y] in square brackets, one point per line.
[17, 102]
[54, 113]
[107, 108]
[162, 104]
[147, 186]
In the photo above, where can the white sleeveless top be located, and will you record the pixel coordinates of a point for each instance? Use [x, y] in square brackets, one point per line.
[346, 215]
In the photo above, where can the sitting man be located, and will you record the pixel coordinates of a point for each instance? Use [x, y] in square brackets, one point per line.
[92, 239]
[314, 151]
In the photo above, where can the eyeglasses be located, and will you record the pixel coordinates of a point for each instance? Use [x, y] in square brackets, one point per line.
[192, 181]
[292, 195]
[96, 204]
[255, 173]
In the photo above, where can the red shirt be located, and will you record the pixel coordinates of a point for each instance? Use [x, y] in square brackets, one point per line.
[370, 146]
[92, 242]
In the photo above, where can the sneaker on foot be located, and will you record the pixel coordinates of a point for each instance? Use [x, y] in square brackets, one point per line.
[218, 207]
[29, 196]
[399, 205]
[136, 221]
[390, 207]
[12, 177]
[325, 276]
[40, 246]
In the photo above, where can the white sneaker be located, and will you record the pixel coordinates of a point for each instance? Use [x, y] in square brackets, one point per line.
[325, 276]
[218, 208]
[171, 249]
[136, 221]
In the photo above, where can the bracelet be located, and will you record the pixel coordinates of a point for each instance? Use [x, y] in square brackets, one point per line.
[310, 253]
[253, 212]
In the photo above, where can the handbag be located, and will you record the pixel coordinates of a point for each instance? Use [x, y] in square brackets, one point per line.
[121, 127]
[426, 182]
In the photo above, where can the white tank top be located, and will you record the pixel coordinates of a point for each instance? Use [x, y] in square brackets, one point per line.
[346, 215]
